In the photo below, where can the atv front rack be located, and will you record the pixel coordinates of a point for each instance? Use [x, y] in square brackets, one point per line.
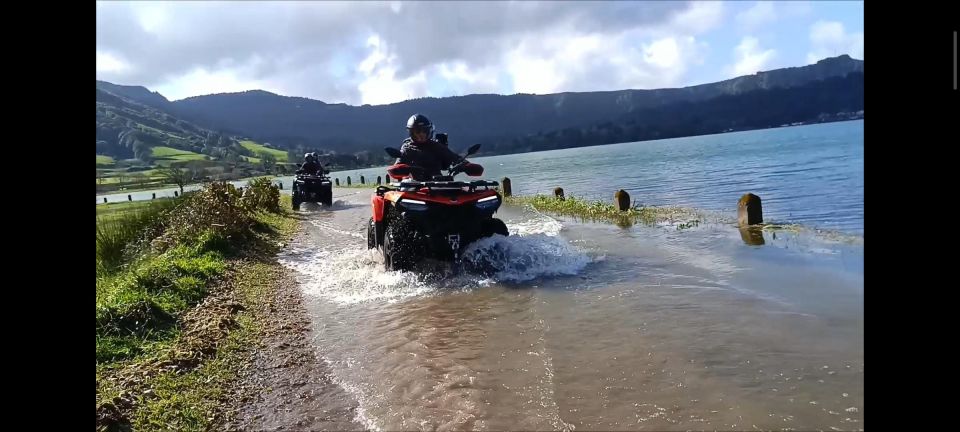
[412, 186]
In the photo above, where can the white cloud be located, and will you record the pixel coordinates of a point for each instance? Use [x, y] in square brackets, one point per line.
[535, 75]
[793, 9]
[461, 77]
[108, 63]
[663, 53]
[701, 17]
[830, 39]
[309, 48]
[750, 57]
[826, 32]
[152, 17]
[764, 13]
[761, 13]
[202, 81]
[380, 84]
[562, 62]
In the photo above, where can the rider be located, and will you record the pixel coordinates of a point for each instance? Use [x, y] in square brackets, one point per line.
[311, 165]
[422, 150]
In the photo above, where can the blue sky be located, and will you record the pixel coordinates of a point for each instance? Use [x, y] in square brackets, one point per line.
[385, 52]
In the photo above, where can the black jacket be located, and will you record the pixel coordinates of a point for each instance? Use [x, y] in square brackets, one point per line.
[310, 168]
[430, 155]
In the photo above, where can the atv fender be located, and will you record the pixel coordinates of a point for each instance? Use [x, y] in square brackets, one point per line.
[377, 203]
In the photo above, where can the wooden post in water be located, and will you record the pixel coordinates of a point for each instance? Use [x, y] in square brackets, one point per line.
[337, 181]
[348, 181]
[129, 197]
[104, 200]
[175, 194]
[558, 192]
[362, 180]
[752, 236]
[622, 199]
[749, 210]
[281, 185]
[379, 179]
[506, 186]
[154, 196]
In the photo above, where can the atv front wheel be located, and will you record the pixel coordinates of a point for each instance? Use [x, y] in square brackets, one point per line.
[494, 226]
[371, 234]
[402, 246]
[326, 196]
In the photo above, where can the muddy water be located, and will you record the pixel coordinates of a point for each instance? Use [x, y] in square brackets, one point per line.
[590, 326]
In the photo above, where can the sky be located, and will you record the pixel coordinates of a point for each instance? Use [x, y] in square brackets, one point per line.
[366, 52]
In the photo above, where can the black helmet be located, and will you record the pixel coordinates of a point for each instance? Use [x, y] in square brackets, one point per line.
[309, 157]
[420, 122]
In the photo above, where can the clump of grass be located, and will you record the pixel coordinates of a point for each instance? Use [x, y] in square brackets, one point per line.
[216, 208]
[261, 195]
[601, 211]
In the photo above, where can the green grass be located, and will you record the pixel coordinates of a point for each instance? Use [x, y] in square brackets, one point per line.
[260, 149]
[146, 128]
[141, 304]
[166, 155]
[251, 159]
[142, 288]
[105, 160]
[189, 402]
[152, 315]
[114, 210]
[144, 176]
[119, 225]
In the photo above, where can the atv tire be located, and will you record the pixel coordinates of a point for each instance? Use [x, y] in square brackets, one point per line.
[403, 246]
[371, 234]
[494, 226]
[326, 196]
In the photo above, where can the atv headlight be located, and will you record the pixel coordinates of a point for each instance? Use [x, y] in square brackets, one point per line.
[414, 205]
[488, 202]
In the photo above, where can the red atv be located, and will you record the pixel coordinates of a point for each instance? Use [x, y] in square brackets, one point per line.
[433, 219]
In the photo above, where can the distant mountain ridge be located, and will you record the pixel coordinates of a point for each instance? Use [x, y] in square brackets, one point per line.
[495, 120]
